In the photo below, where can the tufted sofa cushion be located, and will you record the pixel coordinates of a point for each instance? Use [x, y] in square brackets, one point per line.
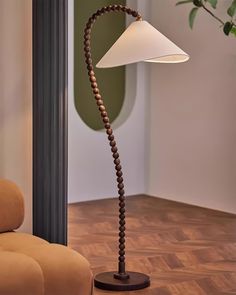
[11, 206]
[20, 275]
[30, 265]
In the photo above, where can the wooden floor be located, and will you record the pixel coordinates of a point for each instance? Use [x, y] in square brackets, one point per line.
[186, 250]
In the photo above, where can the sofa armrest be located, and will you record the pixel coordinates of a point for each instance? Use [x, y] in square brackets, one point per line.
[11, 206]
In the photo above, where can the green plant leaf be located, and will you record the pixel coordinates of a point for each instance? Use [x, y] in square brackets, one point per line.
[192, 16]
[213, 3]
[233, 31]
[184, 2]
[232, 9]
[197, 3]
[227, 28]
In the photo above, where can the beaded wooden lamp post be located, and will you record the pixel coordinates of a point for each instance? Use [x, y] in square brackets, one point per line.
[140, 42]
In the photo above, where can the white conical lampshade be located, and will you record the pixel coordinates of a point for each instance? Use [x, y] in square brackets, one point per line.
[142, 42]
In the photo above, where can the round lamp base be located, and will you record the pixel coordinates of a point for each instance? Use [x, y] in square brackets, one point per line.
[136, 281]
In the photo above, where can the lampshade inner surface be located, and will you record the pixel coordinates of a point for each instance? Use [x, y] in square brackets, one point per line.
[175, 58]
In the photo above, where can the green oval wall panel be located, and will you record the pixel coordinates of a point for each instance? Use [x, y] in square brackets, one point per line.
[111, 82]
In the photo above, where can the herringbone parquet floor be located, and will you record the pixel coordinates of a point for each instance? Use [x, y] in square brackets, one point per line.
[185, 249]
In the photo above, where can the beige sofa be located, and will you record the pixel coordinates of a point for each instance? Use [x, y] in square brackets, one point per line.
[30, 265]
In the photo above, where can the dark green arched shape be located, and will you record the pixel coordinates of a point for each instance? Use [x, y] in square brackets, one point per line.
[111, 82]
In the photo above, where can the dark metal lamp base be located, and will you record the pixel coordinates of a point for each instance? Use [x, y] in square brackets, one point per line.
[136, 281]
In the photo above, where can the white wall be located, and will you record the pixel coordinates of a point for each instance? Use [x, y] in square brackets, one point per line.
[16, 97]
[193, 113]
[91, 171]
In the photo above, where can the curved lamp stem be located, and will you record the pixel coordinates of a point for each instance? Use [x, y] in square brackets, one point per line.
[121, 275]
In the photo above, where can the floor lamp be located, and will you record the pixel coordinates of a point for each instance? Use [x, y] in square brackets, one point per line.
[140, 42]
